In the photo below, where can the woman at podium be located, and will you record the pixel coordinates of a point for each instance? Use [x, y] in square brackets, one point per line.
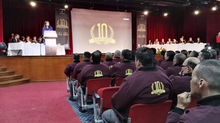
[46, 27]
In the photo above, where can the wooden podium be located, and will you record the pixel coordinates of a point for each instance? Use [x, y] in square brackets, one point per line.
[50, 42]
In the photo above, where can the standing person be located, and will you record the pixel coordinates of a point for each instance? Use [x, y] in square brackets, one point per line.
[46, 27]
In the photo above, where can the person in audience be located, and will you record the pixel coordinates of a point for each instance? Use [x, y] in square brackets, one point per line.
[150, 43]
[177, 51]
[162, 53]
[198, 40]
[205, 85]
[117, 56]
[79, 67]
[156, 41]
[92, 71]
[162, 42]
[169, 55]
[184, 52]
[12, 36]
[218, 34]
[181, 81]
[217, 51]
[194, 54]
[175, 41]
[34, 40]
[109, 62]
[28, 40]
[213, 53]
[169, 41]
[138, 87]
[133, 56]
[190, 40]
[154, 52]
[124, 68]
[15, 39]
[69, 72]
[188, 52]
[204, 54]
[177, 63]
[206, 47]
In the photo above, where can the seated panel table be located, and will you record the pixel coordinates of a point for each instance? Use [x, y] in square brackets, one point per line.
[197, 47]
[28, 49]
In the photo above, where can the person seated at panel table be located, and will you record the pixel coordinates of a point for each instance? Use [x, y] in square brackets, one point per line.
[125, 67]
[169, 41]
[177, 63]
[190, 40]
[108, 60]
[156, 41]
[175, 41]
[28, 40]
[16, 39]
[23, 40]
[12, 36]
[181, 81]
[137, 88]
[162, 42]
[204, 84]
[182, 41]
[117, 56]
[34, 40]
[169, 55]
[198, 40]
[149, 42]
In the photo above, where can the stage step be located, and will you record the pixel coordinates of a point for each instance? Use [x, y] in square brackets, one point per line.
[3, 68]
[11, 77]
[6, 73]
[14, 82]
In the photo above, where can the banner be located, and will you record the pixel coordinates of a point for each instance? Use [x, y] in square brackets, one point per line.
[62, 26]
[141, 30]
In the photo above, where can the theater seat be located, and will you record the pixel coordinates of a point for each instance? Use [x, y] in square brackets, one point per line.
[146, 113]
[118, 81]
[103, 96]
[93, 85]
[193, 102]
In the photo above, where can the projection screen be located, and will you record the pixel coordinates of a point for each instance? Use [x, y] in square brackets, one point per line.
[100, 30]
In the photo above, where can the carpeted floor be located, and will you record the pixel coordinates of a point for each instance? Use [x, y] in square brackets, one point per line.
[43, 102]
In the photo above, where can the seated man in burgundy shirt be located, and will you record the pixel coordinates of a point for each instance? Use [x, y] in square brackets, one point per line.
[204, 54]
[169, 55]
[79, 67]
[137, 88]
[124, 68]
[177, 63]
[204, 84]
[70, 67]
[108, 60]
[181, 81]
[117, 56]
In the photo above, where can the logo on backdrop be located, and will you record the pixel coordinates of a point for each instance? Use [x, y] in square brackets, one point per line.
[103, 37]
[62, 23]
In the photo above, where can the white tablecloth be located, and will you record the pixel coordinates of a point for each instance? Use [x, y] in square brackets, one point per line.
[28, 49]
[174, 47]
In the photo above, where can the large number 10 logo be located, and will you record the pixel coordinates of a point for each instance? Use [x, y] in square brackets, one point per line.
[102, 37]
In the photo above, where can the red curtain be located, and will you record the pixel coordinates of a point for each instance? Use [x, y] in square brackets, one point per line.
[1, 22]
[160, 27]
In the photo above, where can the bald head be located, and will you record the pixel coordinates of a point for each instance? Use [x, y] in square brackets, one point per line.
[108, 56]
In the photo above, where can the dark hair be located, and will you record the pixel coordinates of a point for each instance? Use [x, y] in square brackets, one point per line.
[184, 52]
[213, 53]
[133, 55]
[180, 58]
[154, 50]
[217, 51]
[87, 55]
[205, 54]
[76, 56]
[209, 70]
[171, 55]
[194, 53]
[177, 51]
[189, 52]
[191, 64]
[163, 52]
[126, 54]
[145, 56]
[96, 56]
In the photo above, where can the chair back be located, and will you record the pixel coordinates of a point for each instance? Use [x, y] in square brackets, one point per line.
[150, 113]
[118, 81]
[96, 84]
[193, 102]
[106, 94]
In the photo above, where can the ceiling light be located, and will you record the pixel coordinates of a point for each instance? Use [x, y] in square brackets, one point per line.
[196, 12]
[145, 12]
[214, 8]
[66, 6]
[165, 14]
[33, 3]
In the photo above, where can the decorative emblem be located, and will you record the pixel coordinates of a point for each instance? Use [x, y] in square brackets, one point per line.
[62, 11]
[98, 73]
[157, 88]
[62, 23]
[110, 67]
[102, 34]
[141, 28]
[128, 72]
[142, 17]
